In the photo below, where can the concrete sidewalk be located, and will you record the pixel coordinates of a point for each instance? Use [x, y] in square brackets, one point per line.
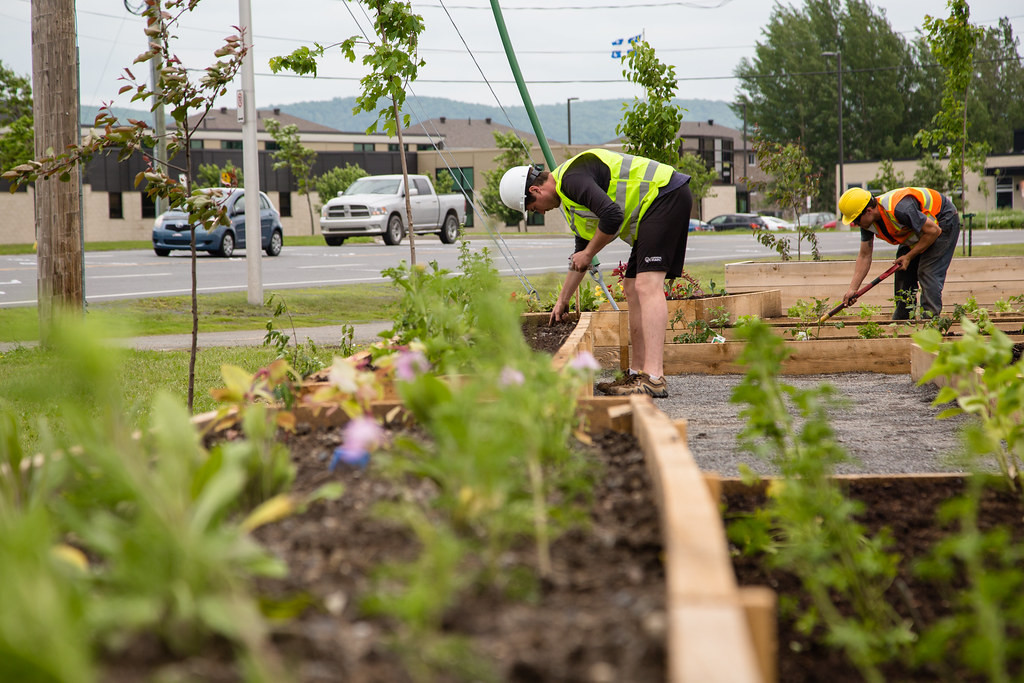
[363, 334]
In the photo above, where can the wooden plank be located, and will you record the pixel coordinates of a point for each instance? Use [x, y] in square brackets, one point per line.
[812, 357]
[709, 639]
[760, 608]
[702, 648]
[988, 279]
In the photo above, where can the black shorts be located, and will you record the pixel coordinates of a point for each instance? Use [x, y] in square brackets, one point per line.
[660, 244]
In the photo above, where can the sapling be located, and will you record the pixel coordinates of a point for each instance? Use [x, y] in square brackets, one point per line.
[981, 381]
[979, 567]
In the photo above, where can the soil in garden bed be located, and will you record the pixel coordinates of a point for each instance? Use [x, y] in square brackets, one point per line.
[542, 337]
[908, 508]
[600, 617]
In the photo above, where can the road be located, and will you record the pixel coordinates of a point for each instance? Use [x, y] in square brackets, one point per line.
[113, 275]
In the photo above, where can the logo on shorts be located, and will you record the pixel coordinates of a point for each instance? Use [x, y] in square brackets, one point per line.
[652, 259]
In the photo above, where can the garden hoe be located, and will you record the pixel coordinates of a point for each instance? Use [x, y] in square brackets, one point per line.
[859, 292]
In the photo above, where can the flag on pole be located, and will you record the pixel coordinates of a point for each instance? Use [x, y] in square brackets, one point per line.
[617, 54]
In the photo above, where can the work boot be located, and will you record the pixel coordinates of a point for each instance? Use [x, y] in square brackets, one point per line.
[643, 384]
[609, 387]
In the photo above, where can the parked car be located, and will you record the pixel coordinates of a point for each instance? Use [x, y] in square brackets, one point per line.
[777, 223]
[831, 225]
[751, 221]
[699, 226]
[375, 205]
[171, 228]
[816, 219]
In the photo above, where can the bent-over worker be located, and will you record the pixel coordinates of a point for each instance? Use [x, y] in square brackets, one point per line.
[647, 204]
[923, 223]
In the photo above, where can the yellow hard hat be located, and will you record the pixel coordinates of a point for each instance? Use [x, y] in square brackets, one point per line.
[853, 203]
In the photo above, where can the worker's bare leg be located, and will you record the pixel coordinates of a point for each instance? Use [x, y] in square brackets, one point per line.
[650, 296]
[636, 337]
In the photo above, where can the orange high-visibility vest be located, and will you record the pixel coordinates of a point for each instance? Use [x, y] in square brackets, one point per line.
[891, 230]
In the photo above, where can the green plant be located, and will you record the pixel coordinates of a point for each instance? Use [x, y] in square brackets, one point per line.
[700, 333]
[808, 315]
[818, 537]
[304, 359]
[336, 180]
[982, 382]
[870, 330]
[979, 567]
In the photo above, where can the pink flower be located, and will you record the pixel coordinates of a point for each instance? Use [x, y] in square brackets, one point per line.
[362, 434]
[510, 376]
[408, 364]
[584, 361]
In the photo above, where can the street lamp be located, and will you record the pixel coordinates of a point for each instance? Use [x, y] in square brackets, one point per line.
[568, 115]
[839, 95]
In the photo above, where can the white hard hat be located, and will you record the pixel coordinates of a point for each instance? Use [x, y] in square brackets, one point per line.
[512, 187]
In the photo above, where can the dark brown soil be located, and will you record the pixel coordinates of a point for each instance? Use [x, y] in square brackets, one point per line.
[600, 616]
[908, 508]
[543, 337]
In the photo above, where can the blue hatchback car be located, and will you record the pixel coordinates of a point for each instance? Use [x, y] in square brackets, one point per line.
[171, 230]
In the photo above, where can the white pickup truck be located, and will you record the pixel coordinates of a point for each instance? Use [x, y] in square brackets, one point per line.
[375, 205]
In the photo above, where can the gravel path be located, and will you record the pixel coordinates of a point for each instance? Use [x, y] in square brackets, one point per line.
[868, 426]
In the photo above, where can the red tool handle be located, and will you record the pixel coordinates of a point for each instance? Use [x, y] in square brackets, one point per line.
[859, 292]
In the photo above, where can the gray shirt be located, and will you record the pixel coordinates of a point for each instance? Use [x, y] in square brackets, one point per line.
[907, 212]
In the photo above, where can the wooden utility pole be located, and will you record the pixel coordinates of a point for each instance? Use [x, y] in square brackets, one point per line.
[57, 203]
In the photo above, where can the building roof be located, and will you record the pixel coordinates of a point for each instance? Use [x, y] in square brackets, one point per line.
[226, 119]
[465, 133]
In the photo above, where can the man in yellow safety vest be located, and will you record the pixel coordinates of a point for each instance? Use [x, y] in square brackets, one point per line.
[604, 195]
[923, 223]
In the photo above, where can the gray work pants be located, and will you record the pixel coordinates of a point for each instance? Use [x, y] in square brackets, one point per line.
[927, 270]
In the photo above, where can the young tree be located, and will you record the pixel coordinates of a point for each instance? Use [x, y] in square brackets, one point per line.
[792, 181]
[187, 98]
[394, 63]
[336, 180]
[651, 128]
[515, 152]
[952, 41]
[296, 157]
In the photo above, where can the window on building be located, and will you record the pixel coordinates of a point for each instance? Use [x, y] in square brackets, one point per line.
[1004, 192]
[115, 205]
[272, 145]
[751, 159]
[427, 147]
[284, 202]
[148, 206]
[195, 144]
[231, 144]
[364, 147]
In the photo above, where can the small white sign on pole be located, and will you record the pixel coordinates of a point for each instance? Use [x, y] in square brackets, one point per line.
[240, 104]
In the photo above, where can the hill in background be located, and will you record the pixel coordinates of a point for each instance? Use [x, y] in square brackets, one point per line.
[593, 122]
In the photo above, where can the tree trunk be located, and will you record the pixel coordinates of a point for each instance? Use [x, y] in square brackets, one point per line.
[405, 179]
[57, 204]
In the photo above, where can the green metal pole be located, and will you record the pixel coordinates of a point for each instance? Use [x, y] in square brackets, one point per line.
[523, 92]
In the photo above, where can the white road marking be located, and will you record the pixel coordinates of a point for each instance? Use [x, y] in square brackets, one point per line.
[115, 277]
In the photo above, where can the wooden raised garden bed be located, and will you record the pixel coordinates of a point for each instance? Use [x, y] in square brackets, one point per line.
[987, 279]
[611, 328]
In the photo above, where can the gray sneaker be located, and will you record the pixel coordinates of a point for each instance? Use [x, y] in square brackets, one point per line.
[609, 387]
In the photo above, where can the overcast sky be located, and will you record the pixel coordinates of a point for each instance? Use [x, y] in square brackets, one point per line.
[564, 47]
